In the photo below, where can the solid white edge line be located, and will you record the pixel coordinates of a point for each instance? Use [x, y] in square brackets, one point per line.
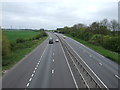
[69, 68]
[89, 67]
[79, 72]
[117, 76]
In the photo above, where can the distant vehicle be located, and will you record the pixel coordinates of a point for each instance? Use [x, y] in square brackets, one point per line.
[51, 40]
[64, 37]
[57, 40]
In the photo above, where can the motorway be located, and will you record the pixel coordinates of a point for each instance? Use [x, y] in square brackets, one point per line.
[48, 66]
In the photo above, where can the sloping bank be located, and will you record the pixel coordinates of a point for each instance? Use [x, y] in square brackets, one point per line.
[14, 50]
[107, 53]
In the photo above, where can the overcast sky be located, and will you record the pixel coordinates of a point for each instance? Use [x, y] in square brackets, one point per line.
[52, 14]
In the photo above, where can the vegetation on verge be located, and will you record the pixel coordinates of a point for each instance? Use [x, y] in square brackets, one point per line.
[101, 36]
[15, 49]
[99, 49]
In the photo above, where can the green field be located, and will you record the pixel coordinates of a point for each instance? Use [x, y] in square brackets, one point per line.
[13, 35]
[19, 50]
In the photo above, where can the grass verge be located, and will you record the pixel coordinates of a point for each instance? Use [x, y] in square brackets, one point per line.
[17, 55]
[107, 53]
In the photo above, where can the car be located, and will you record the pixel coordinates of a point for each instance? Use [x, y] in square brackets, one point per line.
[57, 40]
[50, 40]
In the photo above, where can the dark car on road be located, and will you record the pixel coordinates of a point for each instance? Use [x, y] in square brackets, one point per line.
[51, 41]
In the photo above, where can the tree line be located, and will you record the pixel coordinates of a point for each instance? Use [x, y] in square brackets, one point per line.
[104, 33]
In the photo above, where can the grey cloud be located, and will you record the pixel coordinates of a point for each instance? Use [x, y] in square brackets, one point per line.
[51, 15]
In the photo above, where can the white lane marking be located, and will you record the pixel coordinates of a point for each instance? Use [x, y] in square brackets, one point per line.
[34, 71]
[53, 60]
[89, 67]
[69, 68]
[100, 64]
[52, 71]
[37, 66]
[30, 79]
[28, 84]
[117, 76]
[32, 75]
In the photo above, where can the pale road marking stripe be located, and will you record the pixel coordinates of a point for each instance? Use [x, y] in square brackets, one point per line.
[28, 84]
[30, 79]
[32, 75]
[52, 71]
[89, 67]
[37, 64]
[117, 76]
[53, 60]
[100, 64]
[35, 68]
[53, 54]
[69, 68]
[34, 71]
[79, 72]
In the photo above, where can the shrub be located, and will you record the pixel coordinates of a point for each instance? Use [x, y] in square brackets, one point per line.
[96, 39]
[20, 40]
[5, 46]
[112, 43]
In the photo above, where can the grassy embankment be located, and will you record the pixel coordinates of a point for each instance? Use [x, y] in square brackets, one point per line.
[107, 53]
[21, 43]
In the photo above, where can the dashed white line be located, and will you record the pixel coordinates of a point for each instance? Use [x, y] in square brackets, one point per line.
[53, 60]
[34, 71]
[30, 79]
[52, 71]
[37, 65]
[28, 84]
[32, 75]
[100, 64]
[35, 68]
[117, 76]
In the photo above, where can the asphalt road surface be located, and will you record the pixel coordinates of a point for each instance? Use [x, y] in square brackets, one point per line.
[106, 70]
[47, 66]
